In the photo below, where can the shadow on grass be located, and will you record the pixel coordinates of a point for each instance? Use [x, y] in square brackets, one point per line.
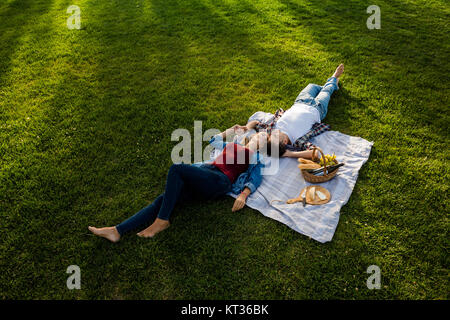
[17, 17]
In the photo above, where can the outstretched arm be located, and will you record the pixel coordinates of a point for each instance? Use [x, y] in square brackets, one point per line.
[239, 129]
[239, 203]
[219, 140]
[307, 154]
[252, 179]
[251, 125]
[232, 130]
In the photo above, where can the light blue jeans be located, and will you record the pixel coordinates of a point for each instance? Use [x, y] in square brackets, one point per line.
[318, 96]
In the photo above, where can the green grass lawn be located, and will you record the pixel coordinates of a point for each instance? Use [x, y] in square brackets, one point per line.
[85, 123]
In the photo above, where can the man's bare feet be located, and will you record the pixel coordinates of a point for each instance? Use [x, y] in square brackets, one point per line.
[157, 226]
[109, 233]
[339, 71]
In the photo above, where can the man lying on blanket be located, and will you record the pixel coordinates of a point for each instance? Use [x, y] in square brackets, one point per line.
[289, 131]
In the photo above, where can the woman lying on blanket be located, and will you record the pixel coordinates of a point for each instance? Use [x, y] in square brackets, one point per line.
[237, 168]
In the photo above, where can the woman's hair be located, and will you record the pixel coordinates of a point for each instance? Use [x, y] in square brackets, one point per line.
[281, 149]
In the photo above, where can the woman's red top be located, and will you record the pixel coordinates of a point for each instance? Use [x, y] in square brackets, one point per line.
[233, 160]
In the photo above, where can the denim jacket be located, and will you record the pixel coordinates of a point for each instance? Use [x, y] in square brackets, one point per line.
[252, 177]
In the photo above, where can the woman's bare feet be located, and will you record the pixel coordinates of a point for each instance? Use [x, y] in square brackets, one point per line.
[109, 233]
[339, 71]
[157, 226]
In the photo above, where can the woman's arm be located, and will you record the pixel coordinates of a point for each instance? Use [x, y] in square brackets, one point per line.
[232, 130]
[249, 181]
[239, 203]
[251, 125]
[219, 140]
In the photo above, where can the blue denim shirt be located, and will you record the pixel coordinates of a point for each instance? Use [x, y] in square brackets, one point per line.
[251, 178]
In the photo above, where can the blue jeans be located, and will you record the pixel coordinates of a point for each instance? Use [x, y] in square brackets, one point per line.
[184, 182]
[318, 96]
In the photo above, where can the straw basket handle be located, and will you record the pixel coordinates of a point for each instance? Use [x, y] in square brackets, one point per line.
[325, 169]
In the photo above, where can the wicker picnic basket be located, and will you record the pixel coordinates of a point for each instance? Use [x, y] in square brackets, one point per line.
[318, 179]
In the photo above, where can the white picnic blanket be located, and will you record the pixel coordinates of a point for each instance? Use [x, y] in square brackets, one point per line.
[318, 222]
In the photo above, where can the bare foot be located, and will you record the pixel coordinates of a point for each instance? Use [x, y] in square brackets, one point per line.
[339, 71]
[109, 233]
[157, 226]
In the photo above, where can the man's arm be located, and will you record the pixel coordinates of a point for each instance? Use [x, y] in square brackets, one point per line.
[307, 154]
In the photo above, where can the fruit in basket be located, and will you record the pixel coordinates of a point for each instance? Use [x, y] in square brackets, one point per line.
[329, 159]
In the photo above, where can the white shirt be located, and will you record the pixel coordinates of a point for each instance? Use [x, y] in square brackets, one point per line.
[298, 120]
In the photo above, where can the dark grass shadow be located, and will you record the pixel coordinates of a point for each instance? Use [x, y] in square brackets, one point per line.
[17, 17]
[217, 27]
